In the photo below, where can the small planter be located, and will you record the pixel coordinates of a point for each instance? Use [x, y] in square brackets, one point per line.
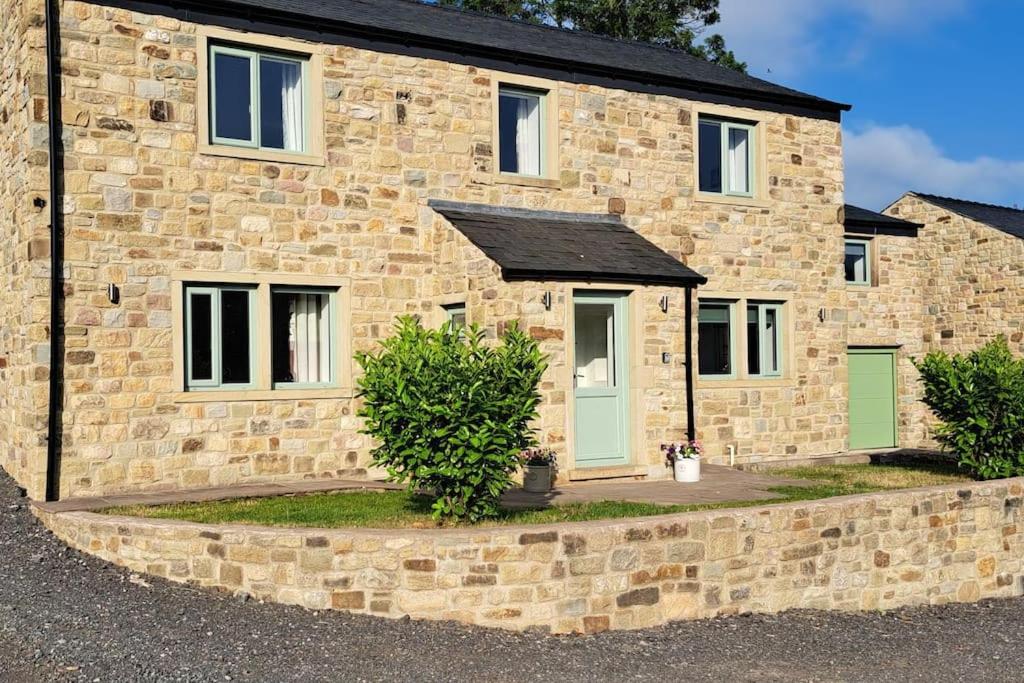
[687, 470]
[537, 478]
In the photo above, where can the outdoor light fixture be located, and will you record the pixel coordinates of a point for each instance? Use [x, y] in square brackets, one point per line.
[113, 293]
[546, 300]
[664, 304]
[821, 314]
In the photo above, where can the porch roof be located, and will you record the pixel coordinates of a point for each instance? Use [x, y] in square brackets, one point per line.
[548, 245]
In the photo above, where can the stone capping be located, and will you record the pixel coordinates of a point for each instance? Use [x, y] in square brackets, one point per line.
[933, 545]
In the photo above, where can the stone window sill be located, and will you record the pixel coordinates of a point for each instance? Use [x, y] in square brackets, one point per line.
[730, 200]
[227, 396]
[262, 155]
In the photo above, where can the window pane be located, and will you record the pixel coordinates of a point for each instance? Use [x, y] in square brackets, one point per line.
[714, 355]
[301, 335]
[856, 262]
[200, 337]
[753, 340]
[456, 314]
[281, 104]
[595, 345]
[235, 361]
[739, 157]
[232, 97]
[519, 133]
[710, 146]
[771, 341]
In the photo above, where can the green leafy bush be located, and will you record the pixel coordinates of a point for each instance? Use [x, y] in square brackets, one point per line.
[451, 414]
[979, 400]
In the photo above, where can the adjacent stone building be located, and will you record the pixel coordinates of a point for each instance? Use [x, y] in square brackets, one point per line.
[249, 194]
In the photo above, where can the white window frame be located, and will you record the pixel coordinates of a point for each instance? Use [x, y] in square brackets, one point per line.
[866, 282]
[762, 336]
[216, 351]
[255, 56]
[542, 137]
[332, 341]
[723, 152]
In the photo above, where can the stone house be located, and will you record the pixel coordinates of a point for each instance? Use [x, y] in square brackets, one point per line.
[245, 192]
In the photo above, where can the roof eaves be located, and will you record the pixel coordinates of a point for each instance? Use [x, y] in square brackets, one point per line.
[247, 12]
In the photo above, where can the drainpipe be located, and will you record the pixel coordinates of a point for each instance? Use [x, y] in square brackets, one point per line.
[53, 95]
[691, 411]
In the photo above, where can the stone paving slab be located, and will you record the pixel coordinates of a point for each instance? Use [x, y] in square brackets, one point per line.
[718, 485]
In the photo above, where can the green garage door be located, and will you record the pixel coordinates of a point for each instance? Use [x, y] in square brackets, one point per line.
[872, 398]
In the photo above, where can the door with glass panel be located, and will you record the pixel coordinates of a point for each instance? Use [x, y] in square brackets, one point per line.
[601, 380]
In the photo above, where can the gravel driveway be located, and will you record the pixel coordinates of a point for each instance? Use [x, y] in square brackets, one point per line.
[65, 616]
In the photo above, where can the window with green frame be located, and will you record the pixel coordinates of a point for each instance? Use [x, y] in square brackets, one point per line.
[522, 118]
[456, 314]
[258, 99]
[764, 339]
[716, 339]
[726, 157]
[857, 259]
[302, 324]
[219, 326]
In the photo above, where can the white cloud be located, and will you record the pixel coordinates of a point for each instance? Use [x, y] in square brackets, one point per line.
[883, 162]
[784, 36]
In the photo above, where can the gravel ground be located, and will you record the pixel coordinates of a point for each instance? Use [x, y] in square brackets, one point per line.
[65, 616]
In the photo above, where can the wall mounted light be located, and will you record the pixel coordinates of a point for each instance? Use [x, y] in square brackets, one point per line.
[664, 304]
[113, 293]
[546, 300]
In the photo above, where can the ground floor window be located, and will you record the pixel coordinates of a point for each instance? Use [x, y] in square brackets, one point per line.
[455, 314]
[301, 324]
[219, 322]
[715, 339]
[759, 341]
[231, 331]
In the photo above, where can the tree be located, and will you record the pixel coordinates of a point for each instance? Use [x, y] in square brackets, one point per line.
[671, 23]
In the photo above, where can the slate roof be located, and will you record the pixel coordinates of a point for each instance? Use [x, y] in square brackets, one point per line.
[1004, 218]
[547, 245]
[414, 22]
[859, 220]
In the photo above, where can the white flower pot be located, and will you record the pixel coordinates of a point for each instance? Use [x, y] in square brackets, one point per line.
[687, 469]
[537, 478]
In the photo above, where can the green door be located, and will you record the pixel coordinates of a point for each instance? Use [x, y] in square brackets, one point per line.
[872, 398]
[601, 380]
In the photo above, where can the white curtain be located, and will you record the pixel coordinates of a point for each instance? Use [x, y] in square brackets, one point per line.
[291, 106]
[739, 157]
[528, 135]
[308, 335]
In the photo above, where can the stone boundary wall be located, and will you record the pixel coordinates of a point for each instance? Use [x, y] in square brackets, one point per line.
[878, 551]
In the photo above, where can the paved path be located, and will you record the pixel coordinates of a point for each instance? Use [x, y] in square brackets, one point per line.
[65, 616]
[718, 484]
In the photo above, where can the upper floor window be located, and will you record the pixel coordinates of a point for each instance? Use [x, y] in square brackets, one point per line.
[858, 261]
[726, 157]
[521, 131]
[259, 99]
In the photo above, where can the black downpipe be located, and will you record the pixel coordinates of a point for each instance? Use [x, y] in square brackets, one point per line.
[691, 410]
[53, 95]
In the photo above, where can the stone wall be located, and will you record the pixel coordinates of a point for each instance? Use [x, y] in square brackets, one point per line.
[878, 551]
[143, 205]
[892, 312]
[24, 244]
[974, 283]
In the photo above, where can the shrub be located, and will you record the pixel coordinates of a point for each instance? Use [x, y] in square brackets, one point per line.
[979, 400]
[451, 414]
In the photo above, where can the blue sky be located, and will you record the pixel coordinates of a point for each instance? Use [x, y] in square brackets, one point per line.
[936, 87]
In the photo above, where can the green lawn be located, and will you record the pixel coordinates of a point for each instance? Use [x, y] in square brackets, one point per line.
[395, 509]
